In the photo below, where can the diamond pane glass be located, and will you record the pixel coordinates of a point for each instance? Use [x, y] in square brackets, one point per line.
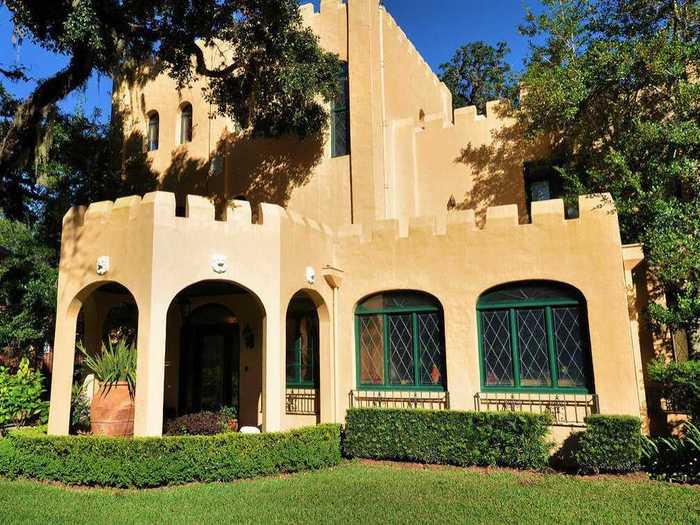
[401, 368]
[430, 348]
[371, 349]
[498, 357]
[570, 356]
[532, 343]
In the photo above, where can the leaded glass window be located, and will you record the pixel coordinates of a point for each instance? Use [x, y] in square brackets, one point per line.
[302, 343]
[533, 335]
[340, 118]
[400, 342]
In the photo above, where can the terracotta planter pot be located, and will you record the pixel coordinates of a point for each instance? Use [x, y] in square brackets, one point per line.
[112, 411]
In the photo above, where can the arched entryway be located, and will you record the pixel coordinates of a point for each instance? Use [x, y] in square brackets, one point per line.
[302, 358]
[213, 353]
[100, 314]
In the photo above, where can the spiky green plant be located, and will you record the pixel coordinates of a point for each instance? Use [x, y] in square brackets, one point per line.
[114, 363]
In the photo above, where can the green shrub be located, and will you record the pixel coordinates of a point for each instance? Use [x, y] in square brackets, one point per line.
[152, 462]
[205, 423]
[674, 459]
[610, 444]
[20, 396]
[79, 410]
[680, 384]
[116, 362]
[510, 439]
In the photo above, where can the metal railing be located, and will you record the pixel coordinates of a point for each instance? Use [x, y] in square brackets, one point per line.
[301, 401]
[565, 409]
[397, 399]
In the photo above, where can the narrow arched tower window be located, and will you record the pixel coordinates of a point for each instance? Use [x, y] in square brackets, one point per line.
[340, 117]
[153, 130]
[186, 123]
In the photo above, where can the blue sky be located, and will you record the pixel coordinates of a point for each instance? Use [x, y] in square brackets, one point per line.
[436, 27]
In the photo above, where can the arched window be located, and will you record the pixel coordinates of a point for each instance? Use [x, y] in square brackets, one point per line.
[185, 123]
[400, 342]
[302, 343]
[534, 336]
[153, 130]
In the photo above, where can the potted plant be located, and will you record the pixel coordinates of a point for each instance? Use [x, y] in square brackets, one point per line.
[112, 407]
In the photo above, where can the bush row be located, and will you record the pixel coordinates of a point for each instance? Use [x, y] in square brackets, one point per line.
[151, 462]
[509, 439]
[610, 444]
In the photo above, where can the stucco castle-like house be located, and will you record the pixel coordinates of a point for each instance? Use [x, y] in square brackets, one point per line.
[406, 259]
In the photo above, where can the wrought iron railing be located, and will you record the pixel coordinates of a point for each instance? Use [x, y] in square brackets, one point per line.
[301, 401]
[565, 409]
[671, 406]
[399, 399]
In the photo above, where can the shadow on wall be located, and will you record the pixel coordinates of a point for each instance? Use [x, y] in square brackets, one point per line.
[260, 169]
[497, 167]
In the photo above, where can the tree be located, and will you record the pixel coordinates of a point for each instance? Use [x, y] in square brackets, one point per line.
[478, 73]
[273, 80]
[614, 86]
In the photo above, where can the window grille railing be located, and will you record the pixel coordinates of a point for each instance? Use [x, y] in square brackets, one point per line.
[399, 399]
[301, 401]
[670, 406]
[565, 409]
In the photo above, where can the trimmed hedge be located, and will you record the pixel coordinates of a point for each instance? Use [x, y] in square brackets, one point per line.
[153, 462]
[611, 444]
[508, 439]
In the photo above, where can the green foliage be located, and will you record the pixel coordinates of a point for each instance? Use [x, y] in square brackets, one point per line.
[27, 291]
[610, 444]
[679, 384]
[115, 363]
[79, 410]
[20, 396]
[674, 459]
[152, 462]
[509, 439]
[613, 87]
[478, 73]
[274, 80]
[204, 423]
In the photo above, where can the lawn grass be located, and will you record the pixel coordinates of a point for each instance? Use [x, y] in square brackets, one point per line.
[356, 492]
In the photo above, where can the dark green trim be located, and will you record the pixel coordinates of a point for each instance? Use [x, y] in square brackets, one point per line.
[385, 313]
[551, 348]
[527, 304]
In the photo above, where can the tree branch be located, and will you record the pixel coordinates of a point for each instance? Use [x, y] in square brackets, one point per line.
[21, 138]
[202, 68]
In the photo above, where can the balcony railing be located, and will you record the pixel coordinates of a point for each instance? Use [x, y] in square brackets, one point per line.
[565, 409]
[398, 399]
[301, 401]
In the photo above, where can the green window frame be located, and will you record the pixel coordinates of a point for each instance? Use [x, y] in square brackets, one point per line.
[535, 335]
[399, 343]
[302, 344]
[340, 117]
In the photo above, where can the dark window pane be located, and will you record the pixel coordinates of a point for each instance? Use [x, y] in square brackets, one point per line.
[371, 349]
[570, 360]
[540, 190]
[153, 130]
[186, 124]
[529, 291]
[496, 346]
[340, 133]
[398, 300]
[430, 348]
[401, 367]
[532, 343]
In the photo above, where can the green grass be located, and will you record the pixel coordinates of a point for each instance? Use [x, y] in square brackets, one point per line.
[360, 493]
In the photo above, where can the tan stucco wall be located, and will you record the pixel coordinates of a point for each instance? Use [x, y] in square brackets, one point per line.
[372, 221]
[408, 154]
[156, 255]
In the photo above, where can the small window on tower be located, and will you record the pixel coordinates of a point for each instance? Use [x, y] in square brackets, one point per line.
[153, 130]
[186, 123]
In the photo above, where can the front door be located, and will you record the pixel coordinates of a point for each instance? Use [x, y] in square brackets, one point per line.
[209, 367]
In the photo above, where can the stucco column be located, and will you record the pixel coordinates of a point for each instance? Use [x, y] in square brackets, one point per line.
[273, 372]
[150, 371]
[62, 373]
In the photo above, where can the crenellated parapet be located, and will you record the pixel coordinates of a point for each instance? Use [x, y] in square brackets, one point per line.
[159, 208]
[546, 216]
